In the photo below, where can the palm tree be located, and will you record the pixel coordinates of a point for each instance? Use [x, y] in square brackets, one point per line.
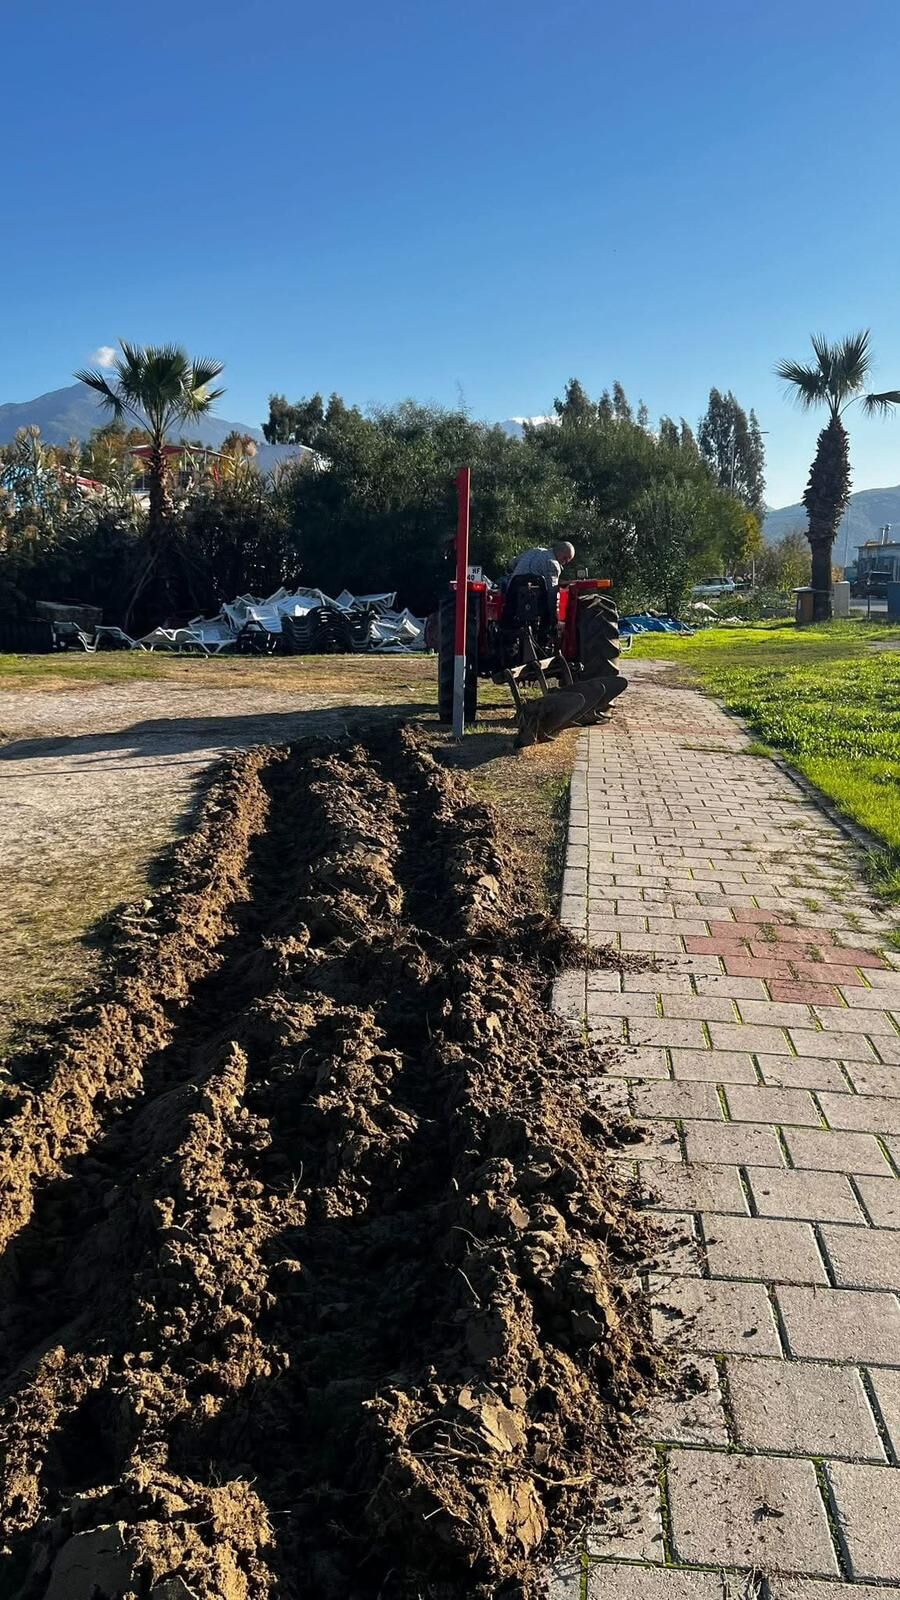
[837, 380]
[158, 387]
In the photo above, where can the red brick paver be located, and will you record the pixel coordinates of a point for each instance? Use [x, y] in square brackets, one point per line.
[762, 1056]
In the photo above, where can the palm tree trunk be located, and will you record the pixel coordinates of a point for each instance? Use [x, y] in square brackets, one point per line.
[821, 577]
[825, 499]
[160, 505]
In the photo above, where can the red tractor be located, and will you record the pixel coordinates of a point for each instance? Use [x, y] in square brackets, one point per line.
[525, 633]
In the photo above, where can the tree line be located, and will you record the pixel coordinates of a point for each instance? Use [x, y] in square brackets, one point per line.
[373, 507]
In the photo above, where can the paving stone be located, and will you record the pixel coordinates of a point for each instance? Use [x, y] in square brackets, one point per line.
[653, 1141]
[863, 1258]
[803, 1072]
[652, 944]
[885, 980]
[774, 1014]
[817, 1196]
[762, 1247]
[867, 1079]
[608, 1004]
[845, 1019]
[564, 1581]
[733, 988]
[628, 1523]
[602, 927]
[662, 982]
[892, 1144]
[692, 1413]
[668, 1031]
[881, 1198]
[611, 1094]
[886, 1384]
[867, 1500]
[805, 993]
[768, 1513]
[614, 1582]
[676, 1246]
[647, 1062]
[606, 1030]
[713, 1066]
[698, 1314]
[699, 1007]
[841, 1324]
[697, 1186]
[746, 1036]
[877, 999]
[677, 1100]
[767, 1104]
[736, 1143]
[809, 1589]
[807, 1042]
[604, 979]
[835, 1152]
[804, 1407]
[867, 1112]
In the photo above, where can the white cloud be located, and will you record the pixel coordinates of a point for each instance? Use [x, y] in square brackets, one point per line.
[105, 356]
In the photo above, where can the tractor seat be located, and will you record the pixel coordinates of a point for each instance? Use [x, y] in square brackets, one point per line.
[528, 603]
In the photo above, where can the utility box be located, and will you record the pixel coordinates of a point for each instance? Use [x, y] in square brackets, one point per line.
[804, 606]
[840, 600]
[893, 602]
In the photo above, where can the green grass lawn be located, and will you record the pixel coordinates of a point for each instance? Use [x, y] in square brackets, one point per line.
[821, 696]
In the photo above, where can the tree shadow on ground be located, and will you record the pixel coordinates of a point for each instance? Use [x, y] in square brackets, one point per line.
[173, 736]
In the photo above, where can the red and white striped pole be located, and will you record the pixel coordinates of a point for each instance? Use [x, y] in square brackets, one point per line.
[463, 492]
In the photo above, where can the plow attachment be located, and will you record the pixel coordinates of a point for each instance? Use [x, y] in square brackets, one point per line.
[573, 704]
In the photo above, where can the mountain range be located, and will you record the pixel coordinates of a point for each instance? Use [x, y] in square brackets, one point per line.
[74, 412]
[868, 511]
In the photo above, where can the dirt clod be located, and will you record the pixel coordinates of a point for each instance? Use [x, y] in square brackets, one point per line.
[316, 1277]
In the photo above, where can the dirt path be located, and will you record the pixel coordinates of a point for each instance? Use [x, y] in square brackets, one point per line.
[315, 1277]
[96, 778]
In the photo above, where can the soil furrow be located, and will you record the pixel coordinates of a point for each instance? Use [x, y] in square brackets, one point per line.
[345, 1302]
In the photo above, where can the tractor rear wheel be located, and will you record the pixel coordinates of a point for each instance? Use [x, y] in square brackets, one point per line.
[598, 637]
[446, 650]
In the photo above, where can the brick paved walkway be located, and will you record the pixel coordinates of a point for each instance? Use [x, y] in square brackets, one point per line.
[763, 1056]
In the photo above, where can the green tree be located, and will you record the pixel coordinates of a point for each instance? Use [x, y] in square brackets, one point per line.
[672, 533]
[159, 387]
[731, 444]
[836, 379]
[575, 408]
[786, 565]
[294, 424]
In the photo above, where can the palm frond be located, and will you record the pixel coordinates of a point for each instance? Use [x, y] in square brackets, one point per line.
[99, 382]
[851, 362]
[880, 405]
[196, 402]
[807, 385]
[204, 371]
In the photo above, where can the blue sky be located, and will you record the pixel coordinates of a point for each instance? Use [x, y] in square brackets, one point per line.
[473, 200]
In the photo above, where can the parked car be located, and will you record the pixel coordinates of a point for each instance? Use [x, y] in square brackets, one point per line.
[713, 588]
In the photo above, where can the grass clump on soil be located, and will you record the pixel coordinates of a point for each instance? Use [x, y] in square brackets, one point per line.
[826, 700]
[316, 1276]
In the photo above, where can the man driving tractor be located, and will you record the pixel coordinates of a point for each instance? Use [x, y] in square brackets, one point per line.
[546, 563]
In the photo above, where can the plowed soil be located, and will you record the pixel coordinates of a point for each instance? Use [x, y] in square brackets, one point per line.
[315, 1277]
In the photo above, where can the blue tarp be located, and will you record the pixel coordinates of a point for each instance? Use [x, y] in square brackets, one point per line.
[648, 622]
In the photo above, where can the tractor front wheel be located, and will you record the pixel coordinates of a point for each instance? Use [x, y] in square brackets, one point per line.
[446, 651]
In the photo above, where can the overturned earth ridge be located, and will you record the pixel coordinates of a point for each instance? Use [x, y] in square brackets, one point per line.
[316, 1278]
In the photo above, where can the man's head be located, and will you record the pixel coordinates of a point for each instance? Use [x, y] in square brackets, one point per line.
[564, 552]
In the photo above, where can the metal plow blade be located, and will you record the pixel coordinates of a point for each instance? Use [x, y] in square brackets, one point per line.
[579, 703]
